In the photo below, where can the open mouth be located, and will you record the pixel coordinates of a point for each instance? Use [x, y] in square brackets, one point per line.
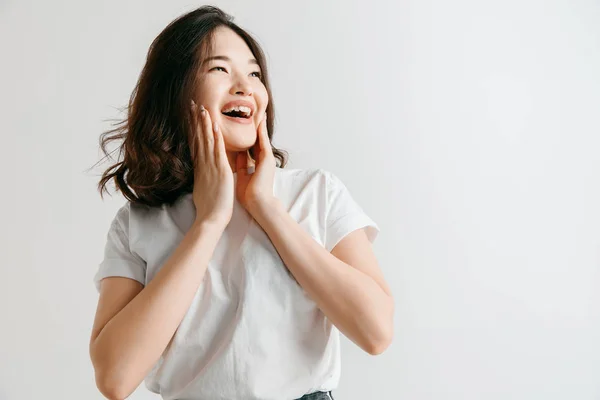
[241, 112]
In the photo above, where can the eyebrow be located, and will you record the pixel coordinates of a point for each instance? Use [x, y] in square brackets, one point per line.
[225, 58]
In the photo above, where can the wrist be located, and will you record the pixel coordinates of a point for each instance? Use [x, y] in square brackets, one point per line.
[202, 223]
[264, 207]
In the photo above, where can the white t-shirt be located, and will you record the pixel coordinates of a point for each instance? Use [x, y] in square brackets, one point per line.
[251, 331]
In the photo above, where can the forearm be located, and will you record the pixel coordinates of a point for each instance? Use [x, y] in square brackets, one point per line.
[133, 340]
[355, 303]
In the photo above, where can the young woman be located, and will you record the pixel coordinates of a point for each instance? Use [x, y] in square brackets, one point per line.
[226, 276]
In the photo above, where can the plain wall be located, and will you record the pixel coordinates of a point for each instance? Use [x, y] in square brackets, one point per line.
[468, 130]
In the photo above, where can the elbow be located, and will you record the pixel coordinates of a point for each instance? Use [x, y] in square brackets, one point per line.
[110, 387]
[379, 342]
[108, 381]
[376, 348]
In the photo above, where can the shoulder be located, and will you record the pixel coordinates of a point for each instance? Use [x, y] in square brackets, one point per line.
[303, 176]
[130, 216]
[318, 181]
[121, 217]
[130, 211]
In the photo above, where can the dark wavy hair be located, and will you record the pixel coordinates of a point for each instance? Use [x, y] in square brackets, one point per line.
[158, 131]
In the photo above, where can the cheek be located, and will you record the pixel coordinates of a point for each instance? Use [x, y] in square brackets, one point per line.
[203, 94]
[262, 98]
[208, 91]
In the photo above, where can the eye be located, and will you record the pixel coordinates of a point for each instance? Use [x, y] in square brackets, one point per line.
[219, 67]
[258, 74]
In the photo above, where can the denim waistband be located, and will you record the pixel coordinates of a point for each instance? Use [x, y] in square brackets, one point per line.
[317, 396]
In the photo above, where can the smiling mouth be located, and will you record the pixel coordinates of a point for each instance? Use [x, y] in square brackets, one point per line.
[237, 114]
[238, 119]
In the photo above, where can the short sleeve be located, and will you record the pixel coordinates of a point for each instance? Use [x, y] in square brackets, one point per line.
[119, 259]
[343, 215]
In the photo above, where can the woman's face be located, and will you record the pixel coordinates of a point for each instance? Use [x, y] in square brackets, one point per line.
[234, 76]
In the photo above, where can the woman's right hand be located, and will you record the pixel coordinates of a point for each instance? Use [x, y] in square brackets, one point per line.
[214, 191]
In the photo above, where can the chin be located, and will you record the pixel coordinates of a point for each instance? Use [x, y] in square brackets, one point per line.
[236, 141]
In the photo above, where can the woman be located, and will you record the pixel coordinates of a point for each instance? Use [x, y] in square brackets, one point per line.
[226, 276]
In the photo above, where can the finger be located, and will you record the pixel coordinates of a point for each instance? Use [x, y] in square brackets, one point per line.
[241, 163]
[208, 135]
[196, 140]
[258, 143]
[219, 148]
[265, 144]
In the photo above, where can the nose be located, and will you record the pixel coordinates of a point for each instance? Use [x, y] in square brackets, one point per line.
[242, 87]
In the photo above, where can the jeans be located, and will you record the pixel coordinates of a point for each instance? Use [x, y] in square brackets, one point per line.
[318, 396]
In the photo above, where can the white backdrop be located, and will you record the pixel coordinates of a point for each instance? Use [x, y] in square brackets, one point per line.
[468, 130]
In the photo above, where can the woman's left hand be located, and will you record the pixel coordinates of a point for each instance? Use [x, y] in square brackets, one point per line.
[255, 191]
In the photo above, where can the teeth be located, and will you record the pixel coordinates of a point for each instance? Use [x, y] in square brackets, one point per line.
[244, 109]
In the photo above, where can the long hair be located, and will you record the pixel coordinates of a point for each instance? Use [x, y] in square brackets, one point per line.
[158, 130]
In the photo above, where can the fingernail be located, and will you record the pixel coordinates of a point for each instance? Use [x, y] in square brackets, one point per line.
[193, 103]
[215, 127]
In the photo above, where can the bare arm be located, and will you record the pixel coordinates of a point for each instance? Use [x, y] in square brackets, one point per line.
[346, 284]
[134, 325]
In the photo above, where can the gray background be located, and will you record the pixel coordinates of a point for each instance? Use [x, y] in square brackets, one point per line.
[467, 129]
